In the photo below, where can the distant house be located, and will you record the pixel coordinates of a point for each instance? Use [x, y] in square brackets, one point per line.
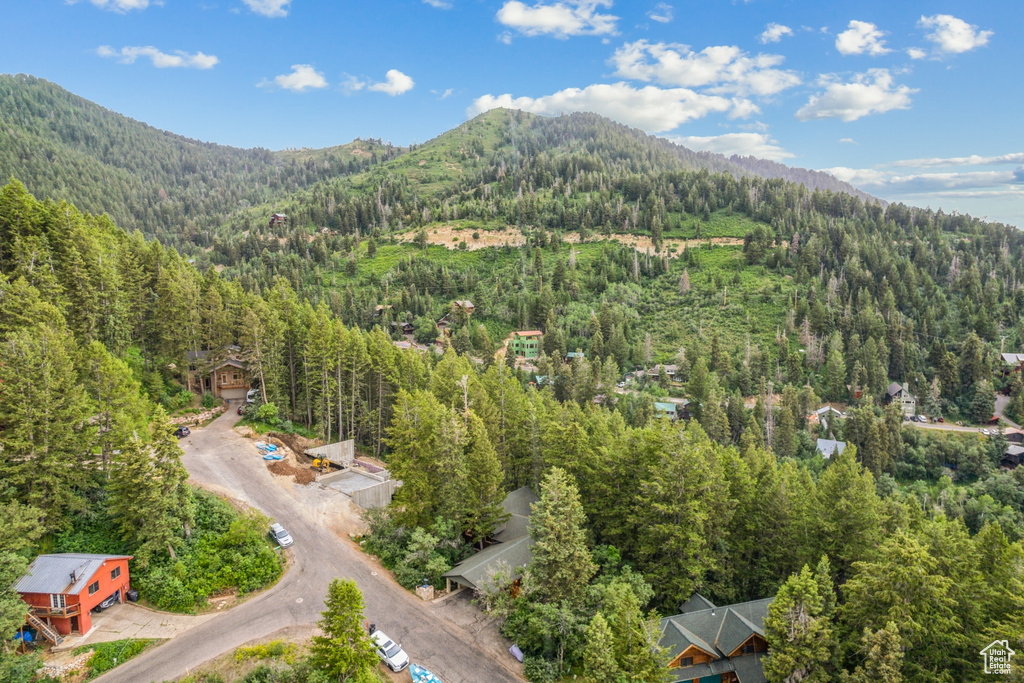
[572, 355]
[823, 416]
[901, 396]
[1012, 362]
[669, 370]
[512, 545]
[277, 219]
[1013, 457]
[464, 304]
[666, 409]
[222, 374]
[1014, 435]
[61, 590]
[830, 447]
[526, 344]
[716, 644]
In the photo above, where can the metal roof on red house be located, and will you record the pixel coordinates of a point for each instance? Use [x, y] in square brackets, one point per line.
[63, 573]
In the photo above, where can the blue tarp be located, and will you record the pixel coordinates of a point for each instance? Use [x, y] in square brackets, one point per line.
[421, 675]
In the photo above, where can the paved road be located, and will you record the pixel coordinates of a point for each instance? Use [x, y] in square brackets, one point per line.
[1001, 403]
[218, 457]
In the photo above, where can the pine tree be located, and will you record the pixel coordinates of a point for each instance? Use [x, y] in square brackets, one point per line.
[598, 653]
[482, 494]
[835, 375]
[799, 631]
[561, 567]
[847, 513]
[983, 402]
[344, 652]
[785, 435]
[883, 657]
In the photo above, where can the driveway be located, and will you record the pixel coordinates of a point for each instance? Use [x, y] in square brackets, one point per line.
[129, 620]
[1001, 403]
[221, 460]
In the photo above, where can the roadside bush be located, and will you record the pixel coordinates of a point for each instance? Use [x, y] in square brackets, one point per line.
[209, 400]
[539, 670]
[267, 412]
[108, 655]
[275, 649]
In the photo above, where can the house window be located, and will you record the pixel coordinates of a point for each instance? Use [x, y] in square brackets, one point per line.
[114, 573]
[234, 376]
[94, 587]
[57, 601]
[686, 661]
[748, 649]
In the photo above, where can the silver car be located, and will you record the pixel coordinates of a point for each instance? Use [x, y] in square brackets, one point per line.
[283, 538]
[389, 652]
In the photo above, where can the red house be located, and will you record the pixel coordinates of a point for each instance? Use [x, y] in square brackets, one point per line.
[62, 589]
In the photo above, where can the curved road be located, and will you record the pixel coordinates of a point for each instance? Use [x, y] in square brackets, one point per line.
[220, 458]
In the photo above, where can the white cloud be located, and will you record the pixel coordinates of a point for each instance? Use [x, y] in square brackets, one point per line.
[916, 53]
[743, 144]
[661, 13]
[161, 60]
[505, 38]
[723, 69]
[773, 33]
[269, 8]
[848, 141]
[561, 19]
[650, 108]
[921, 182]
[439, 4]
[395, 83]
[952, 35]
[972, 160]
[869, 93]
[861, 37]
[446, 94]
[302, 78]
[120, 6]
[352, 84]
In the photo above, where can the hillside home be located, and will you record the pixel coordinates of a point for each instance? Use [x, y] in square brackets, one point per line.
[465, 305]
[1012, 362]
[1014, 435]
[277, 219]
[1013, 457]
[713, 644]
[901, 396]
[511, 544]
[666, 409]
[526, 344]
[61, 590]
[830, 447]
[822, 416]
[223, 374]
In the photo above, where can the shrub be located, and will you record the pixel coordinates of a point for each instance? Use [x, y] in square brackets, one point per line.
[539, 670]
[108, 655]
[275, 649]
[209, 400]
[267, 413]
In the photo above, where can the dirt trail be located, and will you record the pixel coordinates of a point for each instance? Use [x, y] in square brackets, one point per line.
[451, 236]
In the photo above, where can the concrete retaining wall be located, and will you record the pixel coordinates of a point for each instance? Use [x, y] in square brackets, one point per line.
[343, 452]
[375, 496]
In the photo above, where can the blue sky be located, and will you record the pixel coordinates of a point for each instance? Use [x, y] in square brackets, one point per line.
[911, 101]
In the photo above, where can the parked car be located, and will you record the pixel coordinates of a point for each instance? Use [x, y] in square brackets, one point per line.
[182, 431]
[278, 533]
[241, 409]
[942, 419]
[250, 396]
[109, 602]
[389, 652]
[985, 432]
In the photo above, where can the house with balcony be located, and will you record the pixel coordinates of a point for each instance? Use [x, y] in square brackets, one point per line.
[526, 343]
[62, 589]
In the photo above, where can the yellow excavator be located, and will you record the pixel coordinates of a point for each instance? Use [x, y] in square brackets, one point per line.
[324, 465]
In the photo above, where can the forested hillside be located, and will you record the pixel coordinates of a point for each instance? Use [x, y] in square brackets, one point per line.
[903, 558]
[168, 186]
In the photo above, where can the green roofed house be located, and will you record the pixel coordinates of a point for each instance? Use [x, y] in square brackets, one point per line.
[716, 644]
[512, 545]
[666, 410]
[526, 344]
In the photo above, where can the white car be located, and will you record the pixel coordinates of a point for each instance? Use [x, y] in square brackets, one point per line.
[985, 432]
[389, 652]
[283, 538]
[251, 395]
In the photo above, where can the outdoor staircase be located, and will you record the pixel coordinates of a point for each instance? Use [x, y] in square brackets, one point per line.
[44, 629]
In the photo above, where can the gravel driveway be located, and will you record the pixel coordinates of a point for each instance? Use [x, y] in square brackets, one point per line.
[219, 459]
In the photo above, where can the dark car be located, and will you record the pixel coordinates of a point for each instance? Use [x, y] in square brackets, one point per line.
[241, 410]
[109, 602]
[182, 431]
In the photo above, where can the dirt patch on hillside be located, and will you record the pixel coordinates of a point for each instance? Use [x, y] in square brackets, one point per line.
[449, 236]
[284, 468]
